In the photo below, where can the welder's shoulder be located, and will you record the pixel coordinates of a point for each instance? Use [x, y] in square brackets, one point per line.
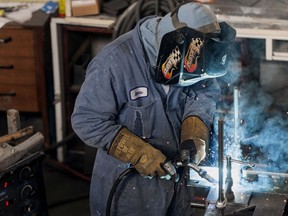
[117, 59]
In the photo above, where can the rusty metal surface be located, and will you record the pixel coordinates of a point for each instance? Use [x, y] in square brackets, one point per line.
[269, 204]
[11, 154]
[266, 195]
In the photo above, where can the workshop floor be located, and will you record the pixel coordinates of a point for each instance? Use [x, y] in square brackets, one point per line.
[67, 194]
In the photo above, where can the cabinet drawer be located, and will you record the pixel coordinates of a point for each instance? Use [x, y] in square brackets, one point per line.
[16, 42]
[17, 52]
[17, 71]
[20, 97]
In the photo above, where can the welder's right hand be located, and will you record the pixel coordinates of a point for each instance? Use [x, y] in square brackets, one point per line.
[129, 148]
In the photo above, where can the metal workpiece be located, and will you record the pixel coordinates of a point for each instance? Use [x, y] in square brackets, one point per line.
[248, 189]
[269, 204]
[221, 196]
[250, 198]
[211, 210]
[229, 194]
[249, 203]
[244, 187]
[250, 164]
[217, 208]
[247, 172]
[247, 197]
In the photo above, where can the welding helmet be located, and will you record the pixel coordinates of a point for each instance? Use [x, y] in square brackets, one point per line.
[188, 55]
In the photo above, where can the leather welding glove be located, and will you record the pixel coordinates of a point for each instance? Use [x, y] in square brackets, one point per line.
[194, 140]
[129, 148]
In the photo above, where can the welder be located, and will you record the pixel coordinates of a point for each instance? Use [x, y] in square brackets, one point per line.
[149, 98]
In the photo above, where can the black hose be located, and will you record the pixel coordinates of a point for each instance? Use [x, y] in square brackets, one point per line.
[114, 187]
[138, 10]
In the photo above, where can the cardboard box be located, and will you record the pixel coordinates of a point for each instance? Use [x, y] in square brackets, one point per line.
[85, 7]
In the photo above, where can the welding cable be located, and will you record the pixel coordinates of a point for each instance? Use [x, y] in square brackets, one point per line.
[114, 187]
[138, 10]
[119, 26]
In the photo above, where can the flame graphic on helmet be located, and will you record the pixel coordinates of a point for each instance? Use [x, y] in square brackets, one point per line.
[190, 60]
[171, 63]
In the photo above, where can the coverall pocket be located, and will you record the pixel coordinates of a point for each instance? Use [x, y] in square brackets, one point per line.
[139, 119]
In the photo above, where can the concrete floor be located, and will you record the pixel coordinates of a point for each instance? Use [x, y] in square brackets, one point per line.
[67, 194]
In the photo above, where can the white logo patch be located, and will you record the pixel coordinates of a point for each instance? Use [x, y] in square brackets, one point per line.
[223, 60]
[138, 92]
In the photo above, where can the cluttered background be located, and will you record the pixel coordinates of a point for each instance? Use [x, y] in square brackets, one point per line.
[41, 71]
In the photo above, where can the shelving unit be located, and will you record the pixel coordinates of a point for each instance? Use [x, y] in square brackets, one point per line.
[72, 41]
[273, 31]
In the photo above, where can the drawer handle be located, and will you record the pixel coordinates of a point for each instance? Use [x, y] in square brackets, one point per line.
[9, 67]
[12, 94]
[5, 40]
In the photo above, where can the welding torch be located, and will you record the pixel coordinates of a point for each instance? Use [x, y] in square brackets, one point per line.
[202, 173]
[173, 173]
[168, 166]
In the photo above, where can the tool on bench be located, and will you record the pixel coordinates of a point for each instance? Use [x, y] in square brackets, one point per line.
[10, 154]
[16, 144]
[16, 135]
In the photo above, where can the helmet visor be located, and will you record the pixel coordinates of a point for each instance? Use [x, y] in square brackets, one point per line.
[187, 56]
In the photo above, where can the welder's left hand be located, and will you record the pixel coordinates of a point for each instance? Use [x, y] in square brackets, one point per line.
[194, 140]
[190, 153]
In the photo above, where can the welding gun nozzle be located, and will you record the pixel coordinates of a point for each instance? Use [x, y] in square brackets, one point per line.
[206, 176]
[200, 172]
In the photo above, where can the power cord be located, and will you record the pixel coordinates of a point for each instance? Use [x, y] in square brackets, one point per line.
[114, 187]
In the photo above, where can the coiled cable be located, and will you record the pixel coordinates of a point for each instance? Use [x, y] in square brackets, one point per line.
[114, 187]
[138, 10]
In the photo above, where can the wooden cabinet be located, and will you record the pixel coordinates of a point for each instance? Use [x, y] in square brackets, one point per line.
[26, 71]
[18, 82]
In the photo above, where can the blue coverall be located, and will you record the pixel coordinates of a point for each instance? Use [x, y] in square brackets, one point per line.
[120, 91]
